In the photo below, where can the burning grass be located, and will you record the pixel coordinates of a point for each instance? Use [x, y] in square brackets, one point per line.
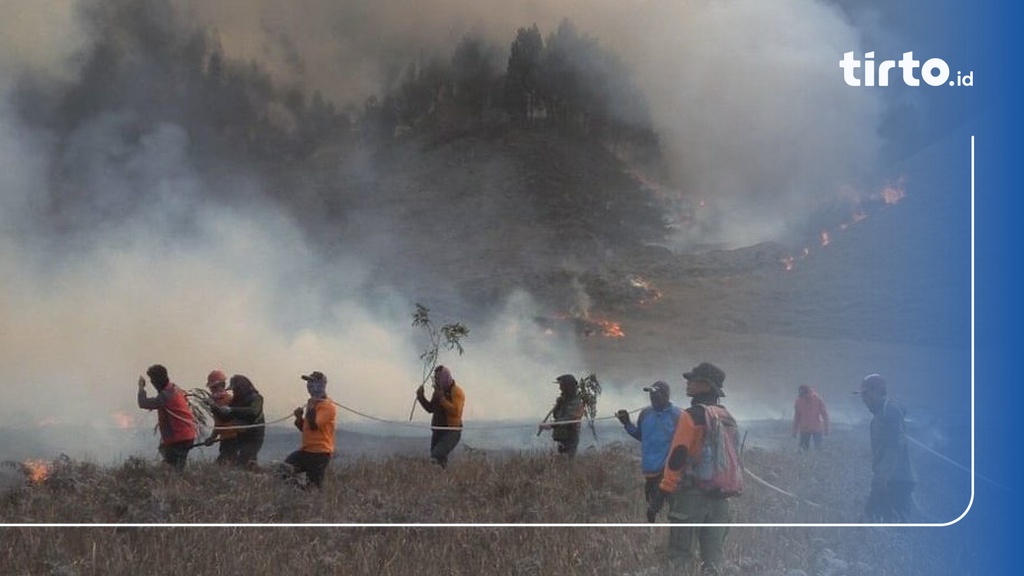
[600, 486]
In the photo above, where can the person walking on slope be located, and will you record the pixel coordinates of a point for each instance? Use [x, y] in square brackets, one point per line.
[654, 429]
[245, 414]
[810, 417]
[568, 408]
[316, 422]
[445, 404]
[893, 477]
[217, 383]
[688, 502]
[174, 418]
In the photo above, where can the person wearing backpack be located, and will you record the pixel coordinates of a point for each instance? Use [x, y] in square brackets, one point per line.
[654, 428]
[702, 472]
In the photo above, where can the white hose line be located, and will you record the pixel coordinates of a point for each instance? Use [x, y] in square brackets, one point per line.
[780, 490]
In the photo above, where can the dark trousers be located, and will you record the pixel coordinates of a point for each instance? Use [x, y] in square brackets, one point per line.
[651, 484]
[442, 442]
[806, 437]
[242, 450]
[892, 504]
[248, 450]
[227, 450]
[314, 464]
[568, 446]
[176, 454]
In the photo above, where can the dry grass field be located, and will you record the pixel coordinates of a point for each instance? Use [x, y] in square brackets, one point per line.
[414, 516]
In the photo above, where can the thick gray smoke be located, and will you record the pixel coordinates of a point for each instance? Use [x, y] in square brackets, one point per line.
[745, 94]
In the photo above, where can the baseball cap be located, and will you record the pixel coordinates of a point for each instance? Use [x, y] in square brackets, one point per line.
[315, 376]
[660, 387]
[872, 382]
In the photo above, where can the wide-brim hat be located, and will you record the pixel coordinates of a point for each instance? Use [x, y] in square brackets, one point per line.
[709, 373]
[566, 380]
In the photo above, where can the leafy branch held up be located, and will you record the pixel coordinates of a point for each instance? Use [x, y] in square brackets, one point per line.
[448, 336]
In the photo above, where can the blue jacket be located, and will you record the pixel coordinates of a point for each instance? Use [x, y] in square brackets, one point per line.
[654, 429]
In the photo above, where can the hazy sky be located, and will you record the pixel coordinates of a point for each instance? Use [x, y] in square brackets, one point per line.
[746, 94]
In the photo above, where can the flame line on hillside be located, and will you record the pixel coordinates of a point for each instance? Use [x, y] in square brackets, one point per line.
[891, 193]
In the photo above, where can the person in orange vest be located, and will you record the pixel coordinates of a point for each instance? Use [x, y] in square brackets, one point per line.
[217, 382]
[175, 421]
[316, 422]
[690, 542]
[810, 417]
[446, 404]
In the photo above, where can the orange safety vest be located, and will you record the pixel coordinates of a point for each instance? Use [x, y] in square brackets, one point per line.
[174, 417]
[320, 440]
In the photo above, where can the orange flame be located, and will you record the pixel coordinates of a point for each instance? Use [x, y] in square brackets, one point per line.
[585, 325]
[890, 194]
[36, 470]
[123, 420]
[609, 328]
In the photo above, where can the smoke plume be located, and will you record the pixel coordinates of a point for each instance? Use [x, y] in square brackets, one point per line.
[152, 262]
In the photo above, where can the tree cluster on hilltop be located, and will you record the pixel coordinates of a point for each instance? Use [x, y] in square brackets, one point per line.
[566, 81]
[158, 107]
[144, 62]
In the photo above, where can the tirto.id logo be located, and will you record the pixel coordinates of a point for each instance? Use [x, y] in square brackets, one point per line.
[934, 71]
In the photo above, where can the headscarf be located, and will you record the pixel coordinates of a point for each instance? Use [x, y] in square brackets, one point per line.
[443, 378]
[317, 389]
[316, 385]
[242, 386]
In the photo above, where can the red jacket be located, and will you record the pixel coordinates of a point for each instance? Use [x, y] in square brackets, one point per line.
[810, 414]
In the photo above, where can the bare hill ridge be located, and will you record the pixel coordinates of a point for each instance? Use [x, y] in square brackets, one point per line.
[555, 214]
